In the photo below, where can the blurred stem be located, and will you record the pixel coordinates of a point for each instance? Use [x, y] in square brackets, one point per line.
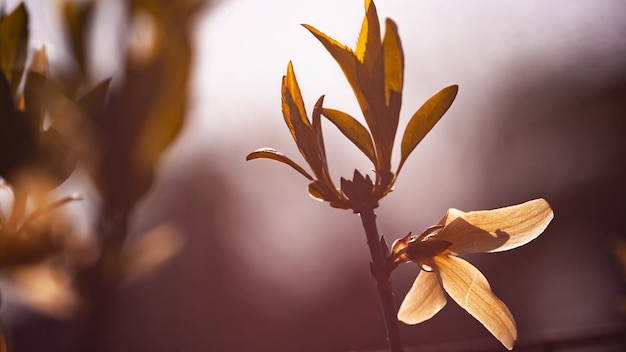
[99, 281]
[381, 271]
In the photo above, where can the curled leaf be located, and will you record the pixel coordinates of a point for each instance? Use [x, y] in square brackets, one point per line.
[269, 153]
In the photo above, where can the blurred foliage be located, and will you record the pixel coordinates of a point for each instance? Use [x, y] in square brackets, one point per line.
[52, 120]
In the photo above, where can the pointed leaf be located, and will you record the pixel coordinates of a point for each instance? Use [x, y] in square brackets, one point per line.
[13, 45]
[425, 119]
[343, 55]
[268, 153]
[496, 230]
[300, 127]
[394, 61]
[368, 44]
[470, 289]
[353, 130]
[424, 299]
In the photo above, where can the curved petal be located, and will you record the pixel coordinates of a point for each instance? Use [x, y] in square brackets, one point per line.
[469, 288]
[268, 153]
[424, 299]
[496, 230]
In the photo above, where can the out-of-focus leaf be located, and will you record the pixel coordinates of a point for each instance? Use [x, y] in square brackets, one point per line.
[268, 153]
[45, 288]
[353, 130]
[470, 289]
[13, 45]
[93, 102]
[425, 119]
[34, 90]
[55, 158]
[77, 16]
[151, 251]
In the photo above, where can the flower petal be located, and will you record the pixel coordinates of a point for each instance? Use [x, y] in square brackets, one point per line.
[424, 299]
[470, 289]
[496, 230]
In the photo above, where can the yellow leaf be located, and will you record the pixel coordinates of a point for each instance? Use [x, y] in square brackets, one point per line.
[425, 119]
[394, 60]
[353, 130]
[368, 44]
[468, 287]
[268, 153]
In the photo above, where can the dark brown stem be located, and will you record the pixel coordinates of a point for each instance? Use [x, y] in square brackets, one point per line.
[381, 271]
[98, 283]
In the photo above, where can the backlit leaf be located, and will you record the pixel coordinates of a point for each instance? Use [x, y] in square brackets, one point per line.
[425, 119]
[394, 60]
[368, 44]
[353, 130]
[268, 153]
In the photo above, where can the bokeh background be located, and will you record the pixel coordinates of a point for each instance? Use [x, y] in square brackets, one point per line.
[541, 112]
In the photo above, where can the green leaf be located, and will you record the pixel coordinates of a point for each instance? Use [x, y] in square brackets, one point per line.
[353, 130]
[425, 119]
[13, 45]
[268, 153]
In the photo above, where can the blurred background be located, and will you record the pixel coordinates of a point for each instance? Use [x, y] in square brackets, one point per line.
[541, 112]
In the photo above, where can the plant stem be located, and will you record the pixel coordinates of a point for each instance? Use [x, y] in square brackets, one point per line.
[381, 272]
[98, 284]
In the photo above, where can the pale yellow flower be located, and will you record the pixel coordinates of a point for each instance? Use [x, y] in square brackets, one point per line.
[436, 250]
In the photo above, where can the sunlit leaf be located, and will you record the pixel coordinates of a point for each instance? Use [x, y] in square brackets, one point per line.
[498, 229]
[13, 45]
[353, 130]
[424, 299]
[425, 119]
[368, 45]
[268, 153]
[394, 60]
[470, 289]
[344, 57]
